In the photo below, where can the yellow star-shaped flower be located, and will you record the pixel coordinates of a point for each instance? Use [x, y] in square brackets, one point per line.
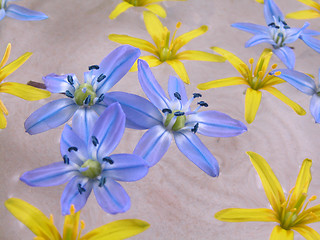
[306, 14]
[290, 214]
[44, 228]
[257, 80]
[20, 90]
[165, 50]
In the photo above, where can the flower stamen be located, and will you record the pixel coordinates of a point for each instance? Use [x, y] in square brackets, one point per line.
[96, 67]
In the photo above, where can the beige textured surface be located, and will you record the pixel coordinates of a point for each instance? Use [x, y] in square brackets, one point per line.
[176, 198]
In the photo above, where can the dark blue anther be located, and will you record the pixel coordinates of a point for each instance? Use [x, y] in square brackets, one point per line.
[166, 110]
[286, 27]
[96, 67]
[197, 95]
[271, 25]
[203, 104]
[177, 95]
[284, 23]
[102, 181]
[108, 160]
[94, 141]
[195, 128]
[101, 77]
[72, 149]
[179, 114]
[277, 27]
[69, 94]
[80, 188]
[70, 79]
[87, 100]
[66, 159]
[101, 97]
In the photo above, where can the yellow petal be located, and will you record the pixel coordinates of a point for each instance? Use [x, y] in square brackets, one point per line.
[151, 60]
[179, 68]
[120, 8]
[24, 91]
[296, 107]
[157, 9]
[271, 80]
[33, 218]
[260, 1]
[222, 83]
[235, 61]
[6, 55]
[117, 230]
[154, 27]
[71, 223]
[263, 62]
[311, 215]
[246, 215]
[3, 108]
[307, 232]
[269, 181]
[252, 103]
[305, 14]
[3, 121]
[11, 67]
[187, 37]
[278, 233]
[311, 3]
[135, 42]
[199, 56]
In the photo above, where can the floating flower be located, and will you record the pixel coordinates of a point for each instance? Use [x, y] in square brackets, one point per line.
[88, 165]
[166, 117]
[279, 34]
[44, 228]
[17, 89]
[306, 14]
[290, 214]
[305, 84]
[258, 80]
[164, 50]
[18, 12]
[148, 4]
[84, 101]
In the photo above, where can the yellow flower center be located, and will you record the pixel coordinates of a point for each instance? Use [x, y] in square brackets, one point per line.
[179, 121]
[135, 3]
[93, 168]
[166, 51]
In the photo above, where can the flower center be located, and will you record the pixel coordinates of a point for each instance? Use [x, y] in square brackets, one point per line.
[91, 168]
[278, 30]
[85, 95]
[178, 121]
[3, 3]
[134, 2]
[166, 51]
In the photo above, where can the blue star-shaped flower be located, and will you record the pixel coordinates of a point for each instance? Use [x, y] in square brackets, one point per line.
[18, 12]
[279, 34]
[167, 117]
[90, 165]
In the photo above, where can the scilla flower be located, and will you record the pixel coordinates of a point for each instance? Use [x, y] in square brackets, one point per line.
[90, 165]
[18, 12]
[44, 228]
[172, 117]
[306, 14]
[84, 101]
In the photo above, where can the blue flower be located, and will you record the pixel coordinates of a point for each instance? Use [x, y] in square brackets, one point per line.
[305, 84]
[90, 165]
[279, 34]
[172, 117]
[84, 101]
[18, 12]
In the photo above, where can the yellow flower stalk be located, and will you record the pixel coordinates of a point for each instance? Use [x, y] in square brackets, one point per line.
[17, 89]
[44, 228]
[306, 14]
[165, 50]
[148, 4]
[290, 213]
[257, 80]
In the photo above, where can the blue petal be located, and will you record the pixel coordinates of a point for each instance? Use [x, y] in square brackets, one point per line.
[125, 167]
[2, 13]
[216, 124]
[299, 80]
[315, 107]
[68, 141]
[153, 144]
[176, 85]
[99, 108]
[286, 55]
[51, 115]
[59, 83]
[271, 11]
[310, 32]
[311, 42]
[111, 197]
[294, 33]
[115, 66]
[108, 130]
[71, 194]
[257, 39]
[140, 113]
[251, 28]
[25, 14]
[151, 87]
[191, 146]
[50, 175]
[83, 122]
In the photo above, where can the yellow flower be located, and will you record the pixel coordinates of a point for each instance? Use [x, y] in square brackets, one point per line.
[20, 90]
[148, 4]
[260, 1]
[306, 14]
[164, 50]
[257, 80]
[290, 214]
[44, 228]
